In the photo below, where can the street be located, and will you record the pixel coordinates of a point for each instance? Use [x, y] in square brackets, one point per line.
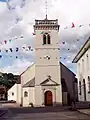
[49, 113]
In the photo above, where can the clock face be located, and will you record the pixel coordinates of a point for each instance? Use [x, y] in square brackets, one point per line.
[47, 57]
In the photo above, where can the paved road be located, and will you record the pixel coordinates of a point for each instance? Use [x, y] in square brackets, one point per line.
[43, 114]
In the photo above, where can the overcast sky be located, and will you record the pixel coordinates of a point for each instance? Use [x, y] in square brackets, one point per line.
[16, 28]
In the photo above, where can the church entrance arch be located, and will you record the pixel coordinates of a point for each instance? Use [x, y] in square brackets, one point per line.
[48, 98]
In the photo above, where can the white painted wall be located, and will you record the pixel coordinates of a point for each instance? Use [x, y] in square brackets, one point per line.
[19, 93]
[46, 67]
[28, 74]
[16, 89]
[83, 71]
[30, 98]
[13, 89]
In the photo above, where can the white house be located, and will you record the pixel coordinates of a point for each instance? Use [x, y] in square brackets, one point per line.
[83, 71]
[14, 93]
[47, 82]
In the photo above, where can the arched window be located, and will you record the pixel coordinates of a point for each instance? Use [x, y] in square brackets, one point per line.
[89, 84]
[79, 87]
[46, 39]
[25, 94]
[12, 94]
[84, 89]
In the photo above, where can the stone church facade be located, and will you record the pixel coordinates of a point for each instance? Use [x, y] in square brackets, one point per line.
[47, 82]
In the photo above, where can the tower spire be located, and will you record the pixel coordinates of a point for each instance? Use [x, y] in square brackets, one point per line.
[46, 8]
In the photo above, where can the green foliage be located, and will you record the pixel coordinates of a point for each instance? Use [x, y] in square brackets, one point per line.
[7, 80]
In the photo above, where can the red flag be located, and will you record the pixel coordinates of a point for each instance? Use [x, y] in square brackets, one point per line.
[73, 25]
[34, 34]
[63, 42]
[5, 41]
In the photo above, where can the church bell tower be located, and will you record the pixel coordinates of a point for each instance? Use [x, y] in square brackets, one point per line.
[47, 68]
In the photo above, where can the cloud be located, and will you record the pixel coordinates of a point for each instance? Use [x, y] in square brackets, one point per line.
[19, 21]
[17, 65]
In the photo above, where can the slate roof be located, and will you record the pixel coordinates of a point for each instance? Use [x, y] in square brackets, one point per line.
[30, 83]
[64, 73]
[84, 48]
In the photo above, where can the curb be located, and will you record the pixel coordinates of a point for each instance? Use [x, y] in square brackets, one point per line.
[3, 113]
[83, 113]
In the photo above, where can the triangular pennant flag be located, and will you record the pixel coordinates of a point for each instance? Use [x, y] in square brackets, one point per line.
[64, 58]
[77, 39]
[33, 33]
[21, 37]
[42, 32]
[80, 25]
[5, 41]
[23, 47]
[6, 51]
[63, 42]
[73, 25]
[0, 56]
[10, 40]
[65, 28]
[16, 57]
[11, 50]
[29, 47]
[17, 49]
[26, 49]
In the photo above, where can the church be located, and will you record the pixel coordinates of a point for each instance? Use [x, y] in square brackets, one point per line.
[47, 82]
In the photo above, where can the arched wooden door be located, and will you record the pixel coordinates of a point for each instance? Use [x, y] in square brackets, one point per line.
[48, 98]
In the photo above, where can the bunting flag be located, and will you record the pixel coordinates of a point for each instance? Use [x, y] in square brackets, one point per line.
[63, 42]
[73, 25]
[26, 49]
[64, 58]
[11, 50]
[65, 28]
[23, 47]
[33, 33]
[0, 56]
[17, 49]
[80, 25]
[16, 57]
[42, 32]
[77, 39]
[29, 47]
[5, 41]
[6, 51]
[10, 40]
[21, 37]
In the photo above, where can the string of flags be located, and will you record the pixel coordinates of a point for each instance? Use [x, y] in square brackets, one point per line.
[72, 26]
[28, 48]
[10, 40]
